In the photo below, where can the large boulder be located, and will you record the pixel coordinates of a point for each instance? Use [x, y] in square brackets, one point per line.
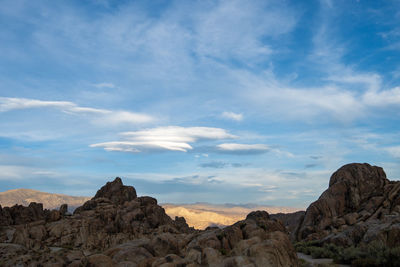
[116, 192]
[359, 205]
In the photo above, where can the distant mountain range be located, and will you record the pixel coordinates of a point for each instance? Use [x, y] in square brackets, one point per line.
[50, 201]
[201, 215]
[197, 215]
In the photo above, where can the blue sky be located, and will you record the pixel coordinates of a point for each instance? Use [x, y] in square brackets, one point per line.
[212, 101]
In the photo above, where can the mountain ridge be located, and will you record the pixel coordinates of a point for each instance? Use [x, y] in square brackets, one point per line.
[24, 196]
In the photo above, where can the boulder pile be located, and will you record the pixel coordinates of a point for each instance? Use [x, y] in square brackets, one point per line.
[117, 228]
[360, 206]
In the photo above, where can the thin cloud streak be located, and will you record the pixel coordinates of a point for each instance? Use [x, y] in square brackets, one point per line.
[243, 148]
[104, 85]
[8, 104]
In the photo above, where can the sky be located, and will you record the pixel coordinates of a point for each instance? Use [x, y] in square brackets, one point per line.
[197, 101]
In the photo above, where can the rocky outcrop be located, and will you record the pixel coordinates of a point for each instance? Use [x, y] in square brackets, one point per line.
[117, 228]
[359, 206]
[116, 192]
[63, 209]
[291, 221]
[19, 214]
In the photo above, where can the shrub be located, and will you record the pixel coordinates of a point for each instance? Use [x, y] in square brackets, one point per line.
[390, 257]
[372, 254]
[303, 263]
[347, 255]
[317, 252]
[223, 251]
[367, 262]
[333, 248]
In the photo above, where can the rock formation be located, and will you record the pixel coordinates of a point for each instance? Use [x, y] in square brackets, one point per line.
[116, 192]
[291, 221]
[361, 205]
[117, 228]
[49, 200]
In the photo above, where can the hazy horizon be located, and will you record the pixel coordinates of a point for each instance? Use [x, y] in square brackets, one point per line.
[225, 204]
[197, 101]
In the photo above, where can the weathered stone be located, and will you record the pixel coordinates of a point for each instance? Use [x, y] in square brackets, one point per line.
[100, 260]
[63, 209]
[115, 228]
[359, 206]
[116, 192]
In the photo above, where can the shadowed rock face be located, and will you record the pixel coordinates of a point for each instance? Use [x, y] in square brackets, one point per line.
[116, 192]
[117, 228]
[19, 214]
[359, 206]
[291, 221]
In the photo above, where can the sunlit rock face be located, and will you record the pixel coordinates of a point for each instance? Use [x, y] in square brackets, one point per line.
[117, 228]
[202, 215]
[360, 205]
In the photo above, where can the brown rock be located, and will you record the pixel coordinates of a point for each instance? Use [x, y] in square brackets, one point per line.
[63, 209]
[54, 215]
[351, 218]
[100, 260]
[116, 192]
[359, 206]
[291, 221]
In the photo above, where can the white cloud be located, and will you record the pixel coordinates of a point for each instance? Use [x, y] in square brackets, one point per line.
[373, 81]
[176, 133]
[394, 151]
[104, 85]
[243, 148]
[102, 116]
[9, 103]
[18, 172]
[135, 147]
[232, 116]
[172, 138]
[234, 29]
[382, 98]
[120, 117]
[350, 96]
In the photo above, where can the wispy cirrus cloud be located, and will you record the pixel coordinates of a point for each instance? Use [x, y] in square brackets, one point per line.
[234, 29]
[8, 104]
[234, 148]
[222, 164]
[104, 85]
[394, 151]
